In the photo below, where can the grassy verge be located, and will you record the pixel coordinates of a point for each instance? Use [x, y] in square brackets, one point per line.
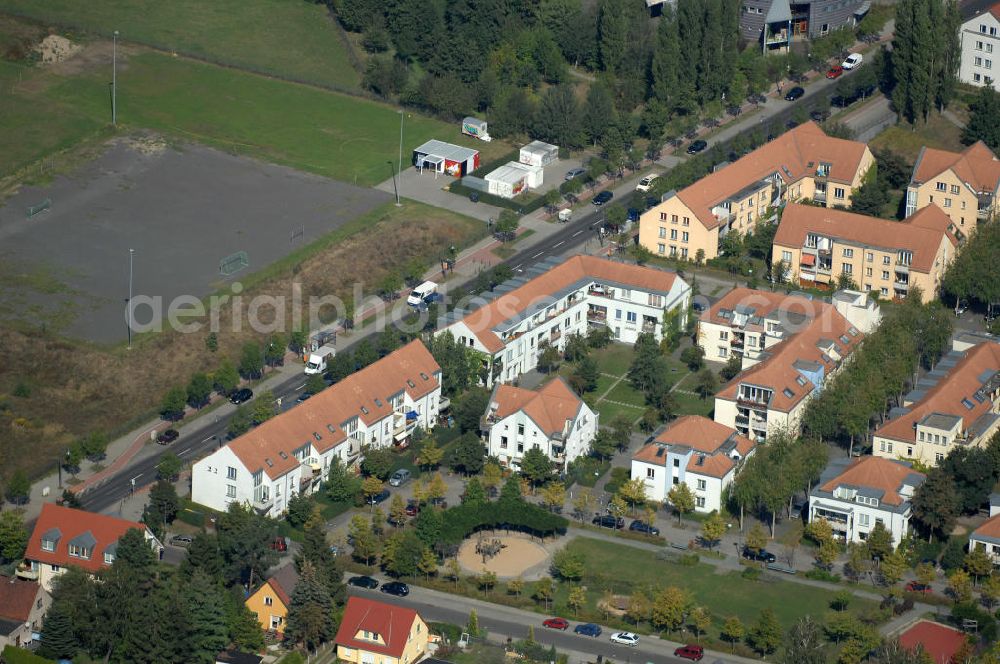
[907, 140]
[297, 40]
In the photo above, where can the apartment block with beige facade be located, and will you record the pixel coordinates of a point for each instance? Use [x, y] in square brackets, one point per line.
[955, 405]
[789, 346]
[889, 258]
[964, 184]
[803, 163]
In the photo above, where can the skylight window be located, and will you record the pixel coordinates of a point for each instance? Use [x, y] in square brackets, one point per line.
[788, 393]
[968, 404]
[801, 381]
[364, 410]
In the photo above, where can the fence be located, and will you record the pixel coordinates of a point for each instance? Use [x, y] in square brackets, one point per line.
[38, 209]
[230, 265]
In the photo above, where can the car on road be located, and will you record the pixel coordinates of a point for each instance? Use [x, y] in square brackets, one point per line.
[762, 556]
[603, 197]
[698, 306]
[835, 71]
[182, 541]
[795, 93]
[400, 477]
[625, 639]
[574, 173]
[168, 436]
[609, 521]
[241, 396]
[853, 61]
[556, 623]
[588, 629]
[363, 582]
[916, 587]
[638, 526]
[380, 497]
[397, 588]
[697, 147]
[690, 651]
[646, 182]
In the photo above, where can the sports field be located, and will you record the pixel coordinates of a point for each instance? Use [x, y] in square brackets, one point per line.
[288, 38]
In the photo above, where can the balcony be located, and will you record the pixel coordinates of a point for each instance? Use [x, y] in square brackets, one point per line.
[597, 316]
[901, 285]
[403, 424]
[26, 572]
[444, 403]
[555, 336]
[648, 326]
[756, 404]
[819, 197]
[600, 291]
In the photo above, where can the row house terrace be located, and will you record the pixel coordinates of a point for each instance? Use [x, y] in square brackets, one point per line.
[378, 406]
[556, 299]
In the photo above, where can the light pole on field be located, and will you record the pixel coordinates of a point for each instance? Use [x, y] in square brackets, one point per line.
[399, 168]
[114, 79]
[128, 304]
[392, 167]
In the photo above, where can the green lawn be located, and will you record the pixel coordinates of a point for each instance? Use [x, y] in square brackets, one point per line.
[289, 38]
[689, 404]
[623, 392]
[723, 594]
[613, 359]
[333, 135]
[610, 411]
[907, 140]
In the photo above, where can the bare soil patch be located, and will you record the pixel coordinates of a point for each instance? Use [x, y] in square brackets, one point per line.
[519, 555]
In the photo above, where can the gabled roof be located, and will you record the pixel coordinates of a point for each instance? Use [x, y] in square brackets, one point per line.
[816, 331]
[17, 598]
[977, 166]
[392, 623]
[574, 271]
[81, 527]
[716, 442]
[549, 407]
[995, 10]
[791, 156]
[955, 394]
[921, 233]
[989, 530]
[939, 641]
[883, 477]
[318, 422]
[283, 582]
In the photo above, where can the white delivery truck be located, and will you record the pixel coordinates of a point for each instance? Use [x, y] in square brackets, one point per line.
[319, 360]
[421, 293]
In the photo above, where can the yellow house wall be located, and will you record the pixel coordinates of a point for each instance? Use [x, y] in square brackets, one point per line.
[961, 208]
[256, 603]
[416, 646]
[662, 217]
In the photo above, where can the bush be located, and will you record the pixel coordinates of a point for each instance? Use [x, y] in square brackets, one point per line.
[586, 471]
[987, 626]
[450, 632]
[751, 573]
[689, 560]
[463, 520]
[618, 477]
[822, 575]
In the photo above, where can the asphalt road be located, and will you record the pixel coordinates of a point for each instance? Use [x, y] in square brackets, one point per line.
[503, 621]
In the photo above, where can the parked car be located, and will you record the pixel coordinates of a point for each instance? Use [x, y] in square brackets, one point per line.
[734, 110]
[574, 173]
[588, 629]
[397, 588]
[241, 396]
[305, 396]
[400, 477]
[167, 437]
[819, 116]
[633, 215]
[625, 639]
[609, 521]
[697, 147]
[698, 306]
[690, 651]
[915, 587]
[835, 71]
[182, 541]
[763, 556]
[795, 93]
[603, 197]
[556, 623]
[646, 182]
[363, 582]
[638, 526]
[962, 307]
[279, 544]
[380, 497]
[853, 61]
[651, 202]
[412, 508]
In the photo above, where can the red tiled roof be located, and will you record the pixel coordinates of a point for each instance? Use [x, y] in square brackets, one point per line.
[283, 581]
[392, 623]
[576, 268]
[946, 397]
[548, 407]
[326, 412]
[702, 435]
[939, 641]
[71, 524]
[793, 156]
[995, 10]
[17, 598]
[885, 475]
[920, 233]
[977, 166]
[990, 528]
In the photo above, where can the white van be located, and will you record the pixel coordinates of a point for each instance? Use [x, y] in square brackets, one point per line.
[420, 294]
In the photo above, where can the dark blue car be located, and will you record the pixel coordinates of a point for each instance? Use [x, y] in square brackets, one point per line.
[633, 215]
[588, 629]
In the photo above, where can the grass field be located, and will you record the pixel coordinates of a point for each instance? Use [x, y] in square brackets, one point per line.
[290, 38]
[906, 140]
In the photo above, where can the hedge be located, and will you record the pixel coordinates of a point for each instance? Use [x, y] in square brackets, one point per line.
[463, 520]
[12, 655]
[521, 206]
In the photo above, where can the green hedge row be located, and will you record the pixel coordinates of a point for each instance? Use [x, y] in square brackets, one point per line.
[464, 520]
[521, 205]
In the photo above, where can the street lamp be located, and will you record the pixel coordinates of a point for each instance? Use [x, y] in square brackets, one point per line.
[399, 168]
[393, 168]
[128, 303]
[114, 79]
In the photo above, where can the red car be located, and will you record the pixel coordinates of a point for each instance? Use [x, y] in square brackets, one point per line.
[914, 587]
[835, 71]
[556, 623]
[690, 651]
[279, 544]
[412, 508]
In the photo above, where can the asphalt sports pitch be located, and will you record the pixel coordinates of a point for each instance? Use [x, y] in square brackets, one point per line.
[182, 210]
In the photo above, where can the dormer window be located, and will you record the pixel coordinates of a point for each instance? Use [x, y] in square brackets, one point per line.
[48, 545]
[823, 170]
[109, 558]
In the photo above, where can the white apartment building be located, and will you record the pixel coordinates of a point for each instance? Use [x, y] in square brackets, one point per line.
[955, 405]
[987, 536]
[788, 346]
[552, 418]
[564, 298]
[981, 49]
[378, 406]
[855, 495]
[703, 454]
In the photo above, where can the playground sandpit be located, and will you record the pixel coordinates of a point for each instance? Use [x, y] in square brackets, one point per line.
[508, 556]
